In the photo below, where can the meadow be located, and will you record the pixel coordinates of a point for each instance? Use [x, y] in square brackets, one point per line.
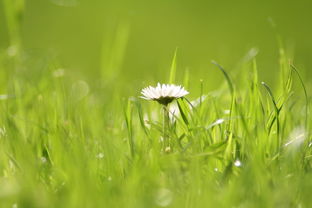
[75, 132]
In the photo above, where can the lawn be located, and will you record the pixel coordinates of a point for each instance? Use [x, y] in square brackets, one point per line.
[76, 132]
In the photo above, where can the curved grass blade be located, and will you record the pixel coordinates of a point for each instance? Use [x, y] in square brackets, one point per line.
[229, 137]
[277, 111]
[227, 77]
[305, 94]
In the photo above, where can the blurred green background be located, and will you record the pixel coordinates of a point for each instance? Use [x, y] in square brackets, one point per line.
[112, 49]
[143, 35]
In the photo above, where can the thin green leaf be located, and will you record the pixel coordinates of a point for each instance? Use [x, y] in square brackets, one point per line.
[173, 68]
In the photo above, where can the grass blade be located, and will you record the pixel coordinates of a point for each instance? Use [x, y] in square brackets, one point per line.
[128, 118]
[173, 67]
[227, 77]
[305, 94]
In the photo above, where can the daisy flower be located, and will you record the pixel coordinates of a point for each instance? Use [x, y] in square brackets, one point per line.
[164, 93]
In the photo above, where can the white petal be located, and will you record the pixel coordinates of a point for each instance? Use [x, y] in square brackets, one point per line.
[170, 90]
[166, 90]
[155, 93]
[181, 92]
[158, 89]
[149, 94]
[176, 92]
[145, 98]
[163, 90]
[146, 93]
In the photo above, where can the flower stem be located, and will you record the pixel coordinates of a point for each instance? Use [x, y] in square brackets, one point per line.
[166, 141]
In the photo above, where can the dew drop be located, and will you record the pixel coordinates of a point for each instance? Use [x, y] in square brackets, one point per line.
[238, 163]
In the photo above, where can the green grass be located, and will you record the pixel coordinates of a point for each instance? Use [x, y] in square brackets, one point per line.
[70, 141]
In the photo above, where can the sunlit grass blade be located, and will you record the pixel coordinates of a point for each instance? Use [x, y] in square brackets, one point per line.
[13, 14]
[214, 149]
[276, 117]
[128, 118]
[113, 51]
[173, 68]
[183, 111]
[227, 77]
[228, 154]
[141, 118]
[186, 79]
[305, 94]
